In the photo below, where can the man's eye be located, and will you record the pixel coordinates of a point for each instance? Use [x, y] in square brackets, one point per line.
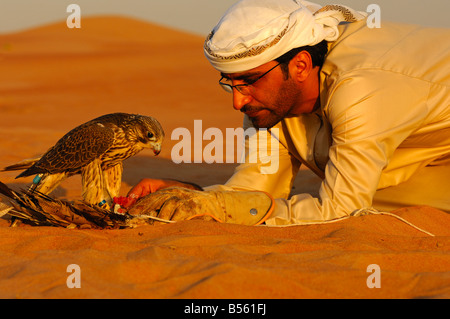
[249, 81]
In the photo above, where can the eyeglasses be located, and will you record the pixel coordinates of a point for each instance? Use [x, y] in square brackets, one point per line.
[242, 88]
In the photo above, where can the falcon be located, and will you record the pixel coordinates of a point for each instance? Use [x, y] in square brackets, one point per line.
[95, 150]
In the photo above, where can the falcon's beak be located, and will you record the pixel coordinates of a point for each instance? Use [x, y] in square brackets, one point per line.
[157, 149]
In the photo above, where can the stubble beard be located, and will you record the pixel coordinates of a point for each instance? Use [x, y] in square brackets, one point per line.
[280, 108]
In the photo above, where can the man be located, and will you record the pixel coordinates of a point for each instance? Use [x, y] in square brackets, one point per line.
[368, 110]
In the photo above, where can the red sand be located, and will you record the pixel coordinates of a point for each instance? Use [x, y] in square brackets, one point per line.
[54, 78]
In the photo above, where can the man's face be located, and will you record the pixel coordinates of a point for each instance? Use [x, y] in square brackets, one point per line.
[268, 100]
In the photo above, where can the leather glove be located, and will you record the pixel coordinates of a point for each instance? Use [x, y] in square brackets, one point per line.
[176, 203]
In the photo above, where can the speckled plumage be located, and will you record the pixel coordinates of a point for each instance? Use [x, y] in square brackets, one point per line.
[95, 150]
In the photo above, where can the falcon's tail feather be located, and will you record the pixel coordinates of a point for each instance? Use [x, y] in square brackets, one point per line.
[41, 210]
[5, 190]
[20, 166]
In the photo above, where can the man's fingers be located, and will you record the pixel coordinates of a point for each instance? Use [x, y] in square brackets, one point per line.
[129, 202]
[143, 188]
[132, 197]
[148, 186]
[135, 192]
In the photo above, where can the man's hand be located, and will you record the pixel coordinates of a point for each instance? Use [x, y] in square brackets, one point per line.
[149, 185]
[176, 203]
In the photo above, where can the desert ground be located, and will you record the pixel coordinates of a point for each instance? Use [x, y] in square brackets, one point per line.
[53, 78]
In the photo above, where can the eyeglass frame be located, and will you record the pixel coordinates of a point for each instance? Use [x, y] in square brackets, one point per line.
[239, 87]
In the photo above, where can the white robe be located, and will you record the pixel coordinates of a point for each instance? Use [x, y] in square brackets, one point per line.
[382, 136]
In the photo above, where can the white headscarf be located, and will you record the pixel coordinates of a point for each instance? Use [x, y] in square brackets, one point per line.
[254, 32]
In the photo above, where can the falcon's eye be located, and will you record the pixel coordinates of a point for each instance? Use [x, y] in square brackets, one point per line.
[150, 135]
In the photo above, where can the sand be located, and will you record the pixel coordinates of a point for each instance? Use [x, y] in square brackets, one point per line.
[54, 78]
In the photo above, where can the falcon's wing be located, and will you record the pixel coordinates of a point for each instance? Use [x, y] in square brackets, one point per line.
[74, 150]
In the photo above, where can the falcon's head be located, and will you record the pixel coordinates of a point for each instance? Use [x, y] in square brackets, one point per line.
[150, 133]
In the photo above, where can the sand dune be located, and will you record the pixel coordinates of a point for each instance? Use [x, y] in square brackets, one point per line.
[54, 78]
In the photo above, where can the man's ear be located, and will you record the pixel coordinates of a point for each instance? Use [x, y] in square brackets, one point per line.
[302, 66]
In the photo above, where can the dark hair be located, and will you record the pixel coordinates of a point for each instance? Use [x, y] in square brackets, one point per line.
[317, 52]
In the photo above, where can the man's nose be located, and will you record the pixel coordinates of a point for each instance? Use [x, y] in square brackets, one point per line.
[240, 100]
